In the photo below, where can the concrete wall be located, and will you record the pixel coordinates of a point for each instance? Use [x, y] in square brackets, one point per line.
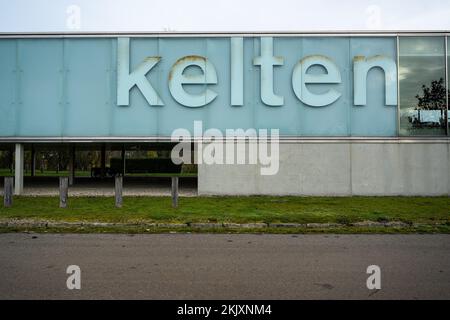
[341, 169]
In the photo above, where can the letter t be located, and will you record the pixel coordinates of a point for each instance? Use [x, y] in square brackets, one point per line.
[267, 61]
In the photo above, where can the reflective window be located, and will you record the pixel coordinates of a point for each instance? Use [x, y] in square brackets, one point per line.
[448, 86]
[423, 109]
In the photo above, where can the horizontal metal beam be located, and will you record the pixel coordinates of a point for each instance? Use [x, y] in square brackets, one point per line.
[283, 139]
[363, 33]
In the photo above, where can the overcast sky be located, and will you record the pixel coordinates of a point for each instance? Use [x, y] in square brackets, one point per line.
[228, 15]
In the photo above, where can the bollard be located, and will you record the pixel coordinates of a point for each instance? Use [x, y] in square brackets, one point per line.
[174, 192]
[118, 190]
[63, 191]
[8, 192]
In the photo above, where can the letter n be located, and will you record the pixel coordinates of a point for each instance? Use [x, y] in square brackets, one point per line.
[362, 66]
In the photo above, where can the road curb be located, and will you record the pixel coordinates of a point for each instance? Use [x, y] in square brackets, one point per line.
[31, 223]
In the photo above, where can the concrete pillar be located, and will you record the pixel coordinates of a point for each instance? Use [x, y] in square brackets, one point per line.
[18, 173]
[118, 186]
[63, 191]
[103, 161]
[33, 161]
[71, 165]
[8, 192]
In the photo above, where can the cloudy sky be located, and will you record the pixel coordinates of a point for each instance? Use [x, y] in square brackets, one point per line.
[228, 15]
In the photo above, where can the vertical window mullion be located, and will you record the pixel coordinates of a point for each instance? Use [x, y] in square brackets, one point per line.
[446, 80]
[398, 87]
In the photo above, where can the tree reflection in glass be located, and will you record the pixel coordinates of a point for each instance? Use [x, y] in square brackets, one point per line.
[431, 106]
[422, 86]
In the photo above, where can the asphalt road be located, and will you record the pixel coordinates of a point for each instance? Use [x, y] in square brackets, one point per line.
[209, 266]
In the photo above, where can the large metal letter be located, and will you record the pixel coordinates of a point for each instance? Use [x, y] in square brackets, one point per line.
[127, 80]
[300, 78]
[361, 67]
[237, 71]
[177, 78]
[267, 61]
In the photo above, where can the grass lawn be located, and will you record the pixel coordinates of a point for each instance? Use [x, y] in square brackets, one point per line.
[344, 210]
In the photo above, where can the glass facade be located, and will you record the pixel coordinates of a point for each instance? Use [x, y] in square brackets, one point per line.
[422, 81]
[68, 87]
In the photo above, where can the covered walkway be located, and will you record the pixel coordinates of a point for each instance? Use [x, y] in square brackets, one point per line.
[96, 178]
